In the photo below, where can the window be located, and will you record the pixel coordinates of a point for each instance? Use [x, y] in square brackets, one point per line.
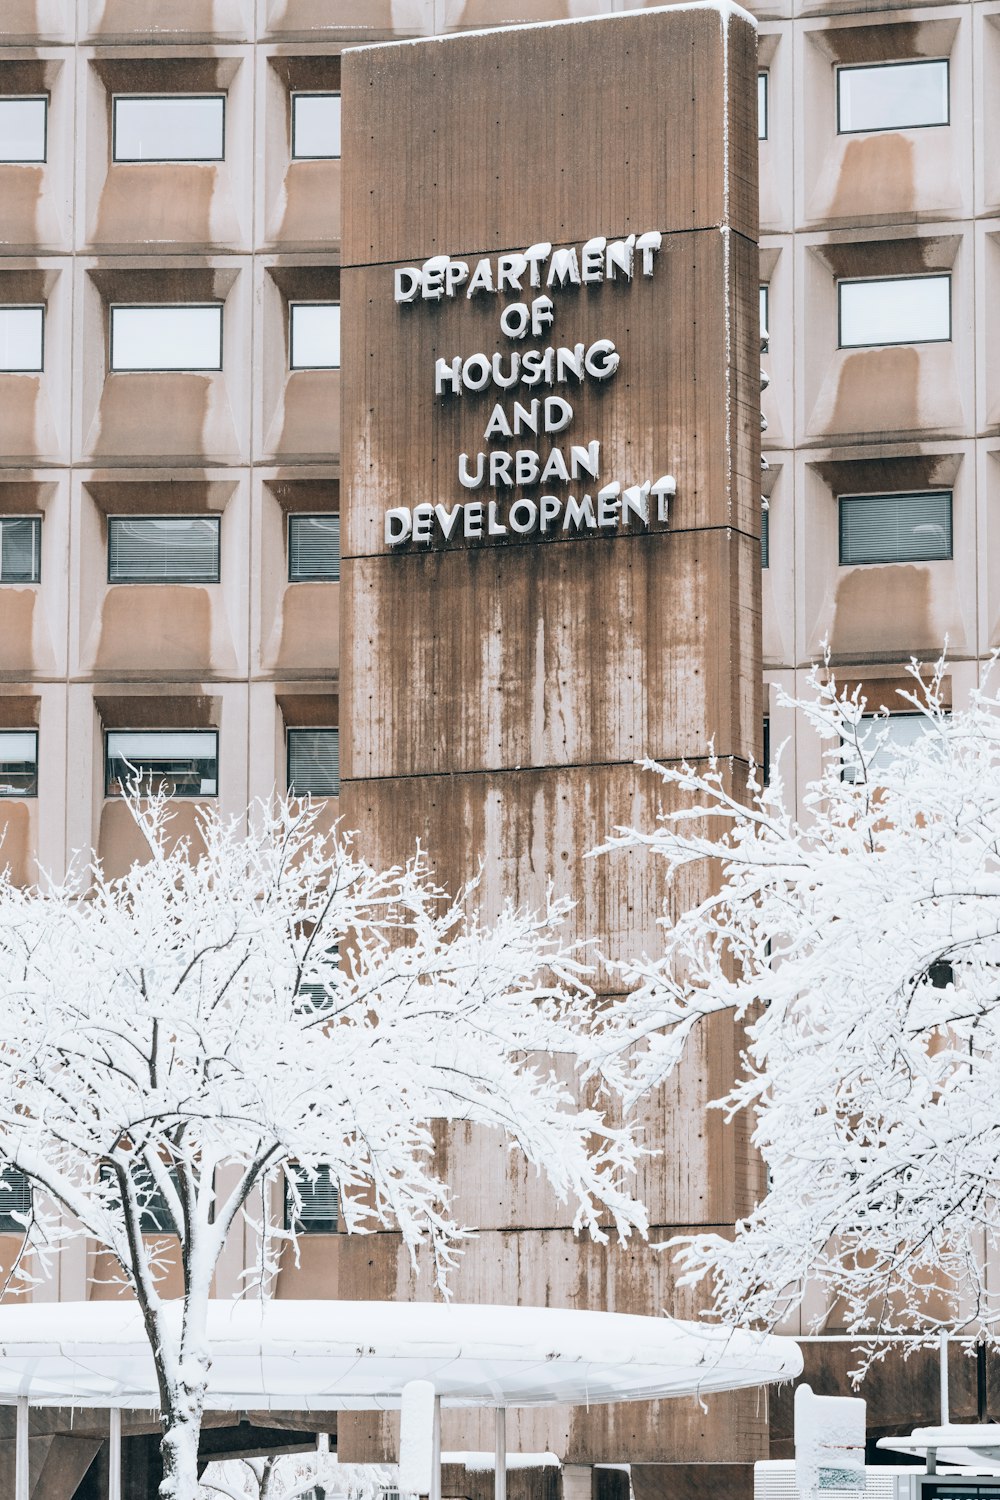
[18, 763]
[163, 549]
[895, 731]
[892, 96]
[21, 338]
[899, 310]
[185, 761]
[314, 762]
[15, 1198]
[23, 129]
[169, 127]
[765, 529]
[313, 548]
[315, 127]
[766, 767]
[154, 1211]
[314, 335]
[20, 549]
[765, 298]
[184, 337]
[762, 106]
[895, 528]
[319, 1201]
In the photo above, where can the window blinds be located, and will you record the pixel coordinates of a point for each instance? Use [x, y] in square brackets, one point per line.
[895, 528]
[163, 549]
[313, 548]
[314, 762]
[15, 1198]
[319, 1197]
[20, 549]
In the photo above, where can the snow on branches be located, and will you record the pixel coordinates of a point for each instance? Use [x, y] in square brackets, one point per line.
[861, 948]
[245, 1009]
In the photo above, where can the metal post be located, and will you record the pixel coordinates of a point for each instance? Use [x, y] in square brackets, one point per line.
[945, 1409]
[500, 1463]
[982, 1401]
[436, 1452]
[21, 1451]
[115, 1454]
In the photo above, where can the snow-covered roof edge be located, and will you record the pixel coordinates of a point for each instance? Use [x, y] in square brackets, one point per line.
[726, 10]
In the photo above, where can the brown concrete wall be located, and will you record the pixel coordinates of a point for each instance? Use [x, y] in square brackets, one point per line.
[496, 696]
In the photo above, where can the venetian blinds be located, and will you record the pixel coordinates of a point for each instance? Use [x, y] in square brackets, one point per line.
[163, 549]
[319, 1201]
[313, 548]
[895, 528]
[15, 1198]
[20, 549]
[314, 762]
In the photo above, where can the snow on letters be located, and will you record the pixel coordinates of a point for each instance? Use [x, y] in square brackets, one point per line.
[530, 409]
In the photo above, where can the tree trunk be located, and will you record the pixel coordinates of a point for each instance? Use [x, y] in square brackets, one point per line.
[181, 1421]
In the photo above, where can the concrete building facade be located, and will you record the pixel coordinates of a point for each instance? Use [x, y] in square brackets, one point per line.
[169, 534]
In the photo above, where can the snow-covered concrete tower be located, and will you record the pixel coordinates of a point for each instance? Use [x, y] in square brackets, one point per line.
[551, 567]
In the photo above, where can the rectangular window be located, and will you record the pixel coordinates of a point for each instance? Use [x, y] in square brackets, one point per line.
[315, 127]
[313, 549]
[765, 540]
[766, 767]
[154, 1210]
[897, 310]
[169, 127]
[163, 549]
[20, 549]
[894, 731]
[892, 96]
[22, 339]
[765, 298]
[314, 335]
[762, 106]
[18, 763]
[895, 528]
[185, 761]
[314, 762]
[15, 1199]
[184, 337]
[23, 129]
[319, 1201]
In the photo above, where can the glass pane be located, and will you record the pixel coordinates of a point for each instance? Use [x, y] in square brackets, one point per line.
[315, 126]
[315, 336]
[21, 338]
[896, 96]
[314, 762]
[15, 1198]
[20, 546]
[762, 106]
[19, 763]
[22, 129]
[313, 548]
[889, 734]
[183, 761]
[163, 549]
[319, 1198]
[166, 338]
[895, 528]
[764, 301]
[906, 310]
[169, 127]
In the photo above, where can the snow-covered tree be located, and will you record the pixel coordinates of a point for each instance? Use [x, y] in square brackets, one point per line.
[860, 945]
[296, 1477]
[241, 1009]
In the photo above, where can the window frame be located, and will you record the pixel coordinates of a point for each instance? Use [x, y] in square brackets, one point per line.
[307, 515]
[292, 729]
[36, 522]
[29, 161]
[114, 307]
[892, 495]
[22, 796]
[312, 94]
[125, 582]
[41, 307]
[157, 161]
[902, 62]
[199, 796]
[894, 343]
[293, 368]
[764, 76]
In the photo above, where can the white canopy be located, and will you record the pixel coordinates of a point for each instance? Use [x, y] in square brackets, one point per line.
[357, 1356]
[964, 1444]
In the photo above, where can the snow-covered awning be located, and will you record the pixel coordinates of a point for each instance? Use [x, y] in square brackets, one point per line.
[965, 1444]
[358, 1356]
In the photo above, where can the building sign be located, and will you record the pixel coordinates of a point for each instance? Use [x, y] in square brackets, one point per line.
[525, 391]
